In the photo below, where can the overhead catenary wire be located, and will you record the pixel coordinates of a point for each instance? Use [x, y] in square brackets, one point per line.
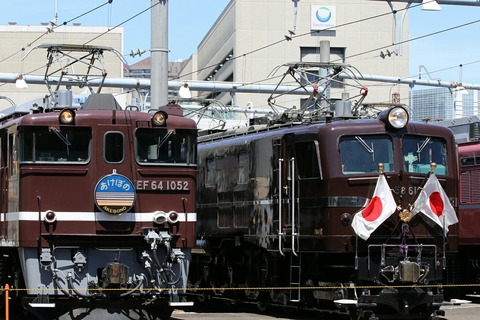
[273, 43]
[360, 53]
[53, 28]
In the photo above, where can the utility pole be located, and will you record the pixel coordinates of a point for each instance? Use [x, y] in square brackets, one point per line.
[159, 54]
[323, 72]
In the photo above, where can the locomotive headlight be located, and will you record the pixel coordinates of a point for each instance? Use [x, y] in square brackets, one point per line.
[67, 116]
[159, 118]
[50, 216]
[396, 117]
[160, 217]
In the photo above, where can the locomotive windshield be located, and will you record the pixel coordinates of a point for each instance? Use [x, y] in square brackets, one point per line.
[162, 146]
[363, 153]
[64, 145]
[419, 152]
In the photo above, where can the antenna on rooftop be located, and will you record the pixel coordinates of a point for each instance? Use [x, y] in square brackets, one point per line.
[53, 22]
[291, 32]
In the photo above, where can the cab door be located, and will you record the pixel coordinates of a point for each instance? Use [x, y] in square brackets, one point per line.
[288, 222]
[114, 176]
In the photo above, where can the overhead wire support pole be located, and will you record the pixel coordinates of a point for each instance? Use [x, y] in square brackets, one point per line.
[159, 53]
[398, 27]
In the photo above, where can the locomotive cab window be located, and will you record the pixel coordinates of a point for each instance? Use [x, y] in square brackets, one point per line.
[162, 146]
[114, 147]
[362, 153]
[420, 151]
[308, 162]
[63, 145]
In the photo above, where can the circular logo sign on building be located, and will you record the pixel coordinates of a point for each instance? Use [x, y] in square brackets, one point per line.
[114, 194]
[323, 18]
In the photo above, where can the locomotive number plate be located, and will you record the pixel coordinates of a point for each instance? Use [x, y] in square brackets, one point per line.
[163, 185]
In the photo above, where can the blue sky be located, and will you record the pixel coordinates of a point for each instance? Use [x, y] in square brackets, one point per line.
[441, 54]
[189, 20]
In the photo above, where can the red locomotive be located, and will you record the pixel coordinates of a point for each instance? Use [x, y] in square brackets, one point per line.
[297, 212]
[466, 269]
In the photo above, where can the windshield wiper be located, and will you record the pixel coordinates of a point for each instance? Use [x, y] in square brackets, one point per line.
[62, 137]
[422, 146]
[366, 146]
[162, 141]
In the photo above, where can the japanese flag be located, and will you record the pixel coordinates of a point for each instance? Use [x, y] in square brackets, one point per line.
[381, 206]
[433, 202]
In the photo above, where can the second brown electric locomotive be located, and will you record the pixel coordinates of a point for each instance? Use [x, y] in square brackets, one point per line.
[278, 203]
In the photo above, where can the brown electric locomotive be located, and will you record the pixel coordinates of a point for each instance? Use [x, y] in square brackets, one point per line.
[97, 208]
[279, 205]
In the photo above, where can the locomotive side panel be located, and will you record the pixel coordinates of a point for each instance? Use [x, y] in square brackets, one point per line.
[243, 187]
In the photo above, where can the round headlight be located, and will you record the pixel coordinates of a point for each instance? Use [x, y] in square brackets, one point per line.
[67, 116]
[159, 118]
[396, 117]
[160, 217]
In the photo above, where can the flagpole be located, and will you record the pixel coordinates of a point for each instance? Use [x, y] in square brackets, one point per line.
[356, 252]
[444, 245]
[433, 165]
[381, 170]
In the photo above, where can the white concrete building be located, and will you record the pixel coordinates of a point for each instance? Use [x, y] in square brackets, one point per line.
[247, 43]
[17, 56]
